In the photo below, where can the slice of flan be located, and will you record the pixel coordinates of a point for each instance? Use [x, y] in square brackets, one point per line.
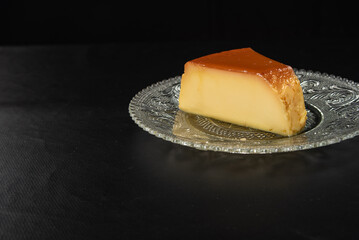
[246, 88]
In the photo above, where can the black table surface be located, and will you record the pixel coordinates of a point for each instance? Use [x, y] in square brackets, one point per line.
[73, 165]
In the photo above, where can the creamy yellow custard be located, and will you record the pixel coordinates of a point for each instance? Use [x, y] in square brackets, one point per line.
[246, 88]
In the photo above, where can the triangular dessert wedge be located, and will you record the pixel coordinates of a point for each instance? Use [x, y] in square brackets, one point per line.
[246, 88]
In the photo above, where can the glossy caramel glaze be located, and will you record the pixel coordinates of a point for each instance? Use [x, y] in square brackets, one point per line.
[246, 60]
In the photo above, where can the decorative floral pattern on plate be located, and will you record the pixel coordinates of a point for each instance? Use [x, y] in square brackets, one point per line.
[332, 104]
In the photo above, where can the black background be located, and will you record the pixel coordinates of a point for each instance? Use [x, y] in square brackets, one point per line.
[73, 164]
[298, 33]
[28, 22]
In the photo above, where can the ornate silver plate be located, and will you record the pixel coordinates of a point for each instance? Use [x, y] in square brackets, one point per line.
[332, 104]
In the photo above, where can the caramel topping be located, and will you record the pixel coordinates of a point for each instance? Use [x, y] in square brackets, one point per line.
[246, 60]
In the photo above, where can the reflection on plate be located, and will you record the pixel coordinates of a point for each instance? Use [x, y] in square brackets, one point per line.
[332, 104]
